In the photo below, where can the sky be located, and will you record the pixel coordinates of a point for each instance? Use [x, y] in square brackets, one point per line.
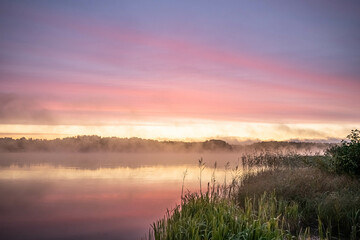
[180, 70]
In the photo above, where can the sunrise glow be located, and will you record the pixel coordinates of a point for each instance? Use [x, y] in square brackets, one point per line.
[135, 70]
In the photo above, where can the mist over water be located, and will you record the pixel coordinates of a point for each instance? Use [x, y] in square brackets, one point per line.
[108, 188]
[95, 195]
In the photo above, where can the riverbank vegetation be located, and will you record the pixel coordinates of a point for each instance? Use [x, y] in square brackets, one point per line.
[274, 196]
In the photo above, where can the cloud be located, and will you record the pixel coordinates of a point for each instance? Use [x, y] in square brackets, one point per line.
[328, 133]
[300, 131]
[15, 109]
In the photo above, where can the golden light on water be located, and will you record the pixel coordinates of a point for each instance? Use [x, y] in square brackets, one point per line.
[151, 174]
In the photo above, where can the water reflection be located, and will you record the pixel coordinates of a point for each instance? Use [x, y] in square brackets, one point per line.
[90, 196]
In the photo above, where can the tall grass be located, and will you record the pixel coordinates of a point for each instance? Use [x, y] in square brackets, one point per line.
[271, 196]
[215, 217]
[329, 203]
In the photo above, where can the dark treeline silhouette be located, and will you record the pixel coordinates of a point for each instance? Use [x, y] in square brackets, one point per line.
[108, 144]
[114, 144]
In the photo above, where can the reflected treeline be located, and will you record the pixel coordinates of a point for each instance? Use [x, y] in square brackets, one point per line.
[114, 144]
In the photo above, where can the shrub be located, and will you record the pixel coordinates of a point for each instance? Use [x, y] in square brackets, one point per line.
[345, 158]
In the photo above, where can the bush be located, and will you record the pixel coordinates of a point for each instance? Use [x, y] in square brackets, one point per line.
[345, 158]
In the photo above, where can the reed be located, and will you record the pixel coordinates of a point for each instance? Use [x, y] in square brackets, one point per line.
[329, 203]
[269, 197]
[215, 217]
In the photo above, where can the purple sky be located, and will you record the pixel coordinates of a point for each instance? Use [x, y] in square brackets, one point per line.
[179, 64]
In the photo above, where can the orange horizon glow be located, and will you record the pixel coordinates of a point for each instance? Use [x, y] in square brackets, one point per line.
[232, 132]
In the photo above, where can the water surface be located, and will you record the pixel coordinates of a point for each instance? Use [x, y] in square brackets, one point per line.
[95, 195]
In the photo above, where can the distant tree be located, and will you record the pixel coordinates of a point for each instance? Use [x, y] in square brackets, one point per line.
[214, 144]
[345, 158]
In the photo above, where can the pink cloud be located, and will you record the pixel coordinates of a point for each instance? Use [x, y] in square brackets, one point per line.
[178, 79]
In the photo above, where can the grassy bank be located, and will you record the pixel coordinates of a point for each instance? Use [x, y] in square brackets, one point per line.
[216, 217]
[329, 204]
[290, 197]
